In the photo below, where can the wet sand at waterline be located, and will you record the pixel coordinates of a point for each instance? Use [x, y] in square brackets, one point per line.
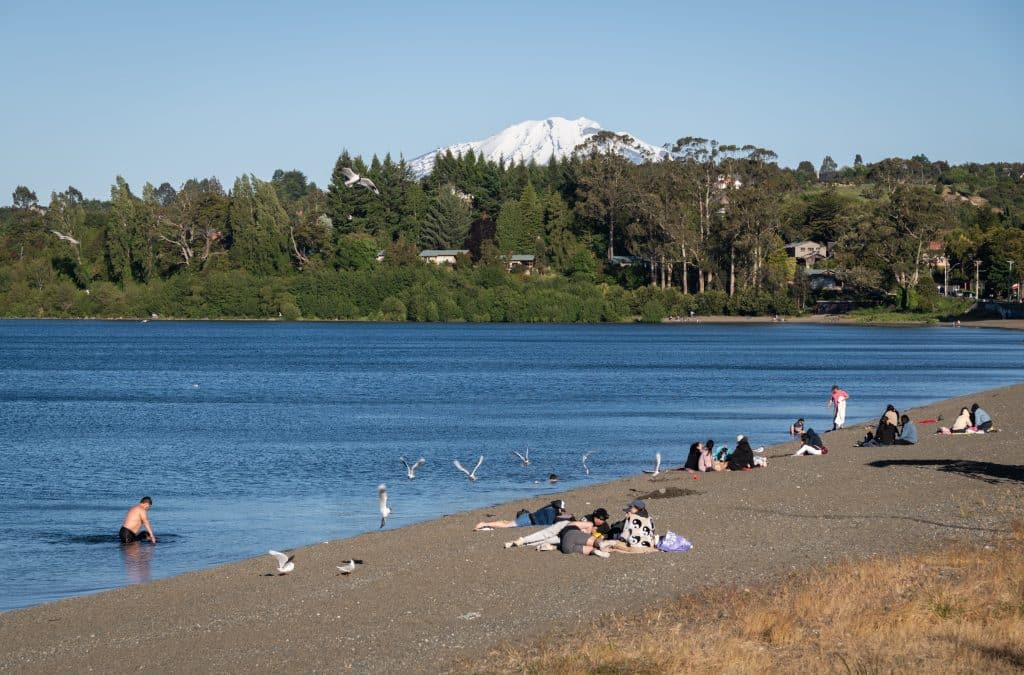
[435, 594]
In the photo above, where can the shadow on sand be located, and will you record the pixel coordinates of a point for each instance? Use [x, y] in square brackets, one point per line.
[990, 472]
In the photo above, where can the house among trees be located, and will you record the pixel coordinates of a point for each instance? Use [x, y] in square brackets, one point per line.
[523, 262]
[442, 256]
[807, 252]
[935, 255]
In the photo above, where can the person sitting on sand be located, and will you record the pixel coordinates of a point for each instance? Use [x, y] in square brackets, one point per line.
[796, 429]
[579, 537]
[810, 444]
[981, 419]
[885, 432]
[693, 457]
[635, 533]
[962, 423]
[548, 538]
[134, 521]
[545, 516]
[742, 456]
[707, 457]
[908, 432]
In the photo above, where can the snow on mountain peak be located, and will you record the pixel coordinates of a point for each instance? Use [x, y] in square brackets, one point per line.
[538, 140]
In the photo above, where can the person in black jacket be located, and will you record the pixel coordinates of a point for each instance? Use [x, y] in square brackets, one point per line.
[742, 456]
[693, 458]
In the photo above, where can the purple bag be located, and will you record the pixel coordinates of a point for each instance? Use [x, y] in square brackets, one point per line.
[674, 543]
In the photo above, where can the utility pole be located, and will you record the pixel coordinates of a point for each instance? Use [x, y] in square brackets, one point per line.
[977, 288]
[1009, 283]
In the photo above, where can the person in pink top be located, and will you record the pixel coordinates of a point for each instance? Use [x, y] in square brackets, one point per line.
[837, 401]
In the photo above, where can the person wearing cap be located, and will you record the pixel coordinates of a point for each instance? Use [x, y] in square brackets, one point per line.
[635, 533]
[548, 538]
[545, 516]
[742, 456]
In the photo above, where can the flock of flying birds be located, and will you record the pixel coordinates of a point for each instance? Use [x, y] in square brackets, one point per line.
[286, 563]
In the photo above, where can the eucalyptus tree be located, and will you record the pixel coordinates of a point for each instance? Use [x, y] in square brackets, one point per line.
[607, 191]
[707, 168]
[66, 215]
[886, 249]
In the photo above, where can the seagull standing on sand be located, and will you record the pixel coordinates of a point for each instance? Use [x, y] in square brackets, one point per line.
[349, 567]
[410, 470]
[352, 179]
[525, 459]
[285, 563]
[471, 474]
[382, 496]
[657, 465]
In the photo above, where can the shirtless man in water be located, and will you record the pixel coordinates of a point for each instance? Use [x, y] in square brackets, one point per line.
[134, 521]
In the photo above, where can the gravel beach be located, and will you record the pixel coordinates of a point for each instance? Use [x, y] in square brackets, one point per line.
[433, 594]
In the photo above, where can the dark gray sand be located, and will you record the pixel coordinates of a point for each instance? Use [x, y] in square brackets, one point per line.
[435, 593]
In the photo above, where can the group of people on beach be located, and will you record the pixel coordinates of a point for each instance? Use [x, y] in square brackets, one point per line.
[703, 457]
[592, 534]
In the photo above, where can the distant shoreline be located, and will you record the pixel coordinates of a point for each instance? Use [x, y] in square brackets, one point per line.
[817, 319]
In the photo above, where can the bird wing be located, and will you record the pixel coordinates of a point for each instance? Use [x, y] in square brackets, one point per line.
[282, 559]
[459, 466]
[349, 173]
[382, 496]
[518, 455]
[657, 462]
[478, 463]
[419, 462]
[405, 463]
[367, 183]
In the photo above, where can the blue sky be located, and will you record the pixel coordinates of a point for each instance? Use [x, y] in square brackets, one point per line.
[183, 89]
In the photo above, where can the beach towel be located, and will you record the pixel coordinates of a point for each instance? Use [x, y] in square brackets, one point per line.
[674, 543]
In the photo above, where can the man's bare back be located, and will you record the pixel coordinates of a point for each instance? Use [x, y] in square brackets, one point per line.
[135, 520]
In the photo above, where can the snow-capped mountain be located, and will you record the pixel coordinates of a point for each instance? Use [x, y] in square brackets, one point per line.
[539, 140]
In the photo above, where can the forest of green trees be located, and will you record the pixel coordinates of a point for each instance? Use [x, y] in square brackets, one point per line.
[614, 241]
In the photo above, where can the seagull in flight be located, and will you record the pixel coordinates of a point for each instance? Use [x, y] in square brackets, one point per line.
[471, 474]
[352, 179]
[657, 465]
[65, 237]
[385, 510]
[285, 563]
[584, 457]
[525, 459]
[410, 470]
[349, 567]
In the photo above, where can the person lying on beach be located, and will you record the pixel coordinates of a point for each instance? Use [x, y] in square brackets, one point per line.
[548, 538]
[579, 537]
[908, 432]
[545, 516]
[980, 418]
[134, 521]
[810, 444]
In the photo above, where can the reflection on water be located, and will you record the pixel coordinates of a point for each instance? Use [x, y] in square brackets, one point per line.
[136, 557]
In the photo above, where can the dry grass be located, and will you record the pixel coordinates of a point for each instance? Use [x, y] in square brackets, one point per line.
[960, 609]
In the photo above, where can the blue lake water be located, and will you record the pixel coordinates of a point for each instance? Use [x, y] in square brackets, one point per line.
[252, 436]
